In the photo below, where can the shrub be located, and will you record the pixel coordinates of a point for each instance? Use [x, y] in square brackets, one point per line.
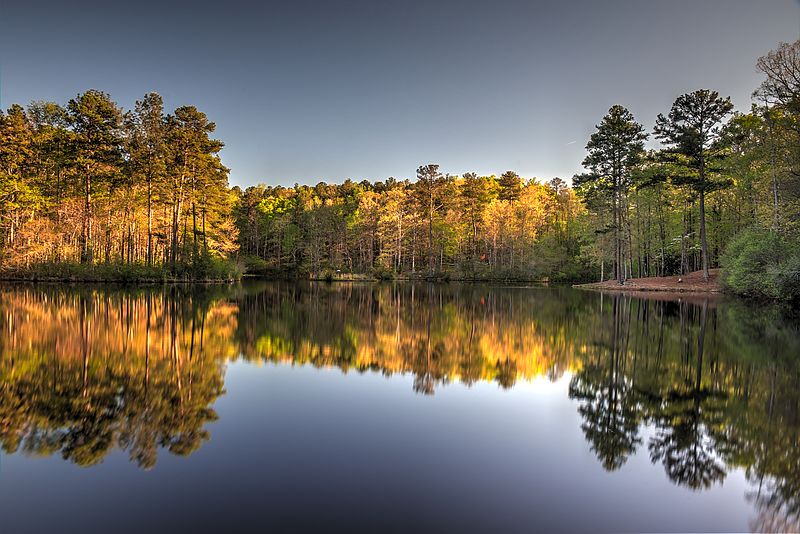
[255, 265]
[382, 273]
[788, 278]
[209, 268]
[764, 264]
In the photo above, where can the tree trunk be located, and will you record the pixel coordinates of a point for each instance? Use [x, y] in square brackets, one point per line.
[618, 263]
[149, 220]
[703, 243]
[430, 234]
[86, 245]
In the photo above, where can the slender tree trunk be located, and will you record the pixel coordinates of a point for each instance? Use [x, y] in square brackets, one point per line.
[630, 242]
[684, 236]
[618, 263]
[195, 248]
[430, 234]
[205, 241]
[149, 220]
[400, 242]
[86, 248]
[703, 243]
[773, 167]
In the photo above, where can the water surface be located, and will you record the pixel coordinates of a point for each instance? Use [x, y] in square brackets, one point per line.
[290, 407]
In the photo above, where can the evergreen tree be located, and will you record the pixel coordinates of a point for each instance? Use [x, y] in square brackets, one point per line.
[692, 133]
[510, 186]
[429, 186]
[614, 149]
[147, 152]
[97, 123]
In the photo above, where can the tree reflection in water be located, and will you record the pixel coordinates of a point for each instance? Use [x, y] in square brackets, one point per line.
[701, 386]
[607, 399]
[85, 371]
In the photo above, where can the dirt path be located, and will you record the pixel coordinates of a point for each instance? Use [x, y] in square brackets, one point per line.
[692, 282]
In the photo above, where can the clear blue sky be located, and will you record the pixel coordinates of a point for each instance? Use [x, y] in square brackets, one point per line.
[306, 91]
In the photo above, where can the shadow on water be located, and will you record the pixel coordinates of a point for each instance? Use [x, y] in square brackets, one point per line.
[703, 386]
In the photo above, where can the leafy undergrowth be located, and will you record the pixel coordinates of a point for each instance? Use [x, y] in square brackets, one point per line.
[204, 270]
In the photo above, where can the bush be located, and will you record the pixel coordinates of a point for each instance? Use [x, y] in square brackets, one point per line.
[255, 265]
[573, 271]
[210, 268]
[763, 264]
[788, 277]
[382, 273]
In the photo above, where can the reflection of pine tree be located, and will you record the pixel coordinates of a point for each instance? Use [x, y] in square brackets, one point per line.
[424, 384]
[506, 373]
[685, 441]
[610, 415]
[89, 426]
[607, 401]
[427, 356]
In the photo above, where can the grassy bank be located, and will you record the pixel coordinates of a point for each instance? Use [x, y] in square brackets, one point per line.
[208, 270]
[258, 268]
[393, 277]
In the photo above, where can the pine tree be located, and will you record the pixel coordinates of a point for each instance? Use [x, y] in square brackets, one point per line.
[147, 152]
[97, 123]
[614, 149]
[692, 134]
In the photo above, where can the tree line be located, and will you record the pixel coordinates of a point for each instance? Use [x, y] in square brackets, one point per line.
[89, 184]
[466, 226]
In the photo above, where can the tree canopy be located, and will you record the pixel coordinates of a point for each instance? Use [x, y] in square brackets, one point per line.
[89, 189]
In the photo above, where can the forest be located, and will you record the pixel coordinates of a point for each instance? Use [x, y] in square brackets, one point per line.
[91, 191]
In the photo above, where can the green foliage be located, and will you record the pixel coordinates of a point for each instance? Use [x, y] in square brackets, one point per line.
[439, 227]
[209, 269]
[510, 186]
[381, 273]
[761, 263]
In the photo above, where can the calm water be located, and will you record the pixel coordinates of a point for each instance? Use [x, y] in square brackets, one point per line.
[394, 407]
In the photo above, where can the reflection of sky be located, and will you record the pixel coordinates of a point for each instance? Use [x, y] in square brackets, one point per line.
[520, 450]
[298, 441]
[305, 446]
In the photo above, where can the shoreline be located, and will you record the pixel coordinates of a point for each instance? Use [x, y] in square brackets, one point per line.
[689, 283]
[152, 282]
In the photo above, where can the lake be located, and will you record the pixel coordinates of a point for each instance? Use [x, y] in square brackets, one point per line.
[394, 407]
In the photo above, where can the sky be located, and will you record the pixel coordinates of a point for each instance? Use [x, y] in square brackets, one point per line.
[308, 91]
